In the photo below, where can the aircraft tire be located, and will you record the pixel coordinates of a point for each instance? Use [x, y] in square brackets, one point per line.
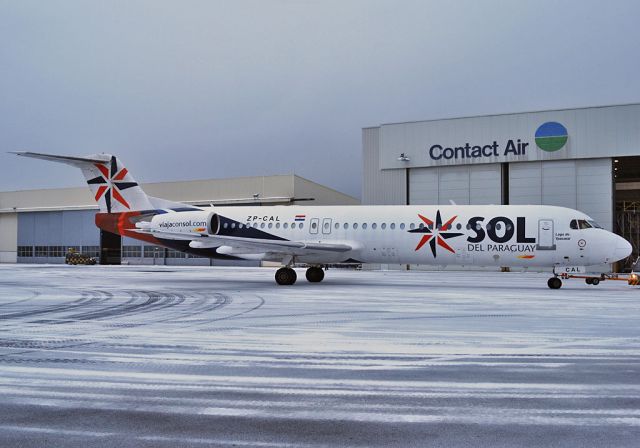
[554, 283]
[286, 276]
[315, 274]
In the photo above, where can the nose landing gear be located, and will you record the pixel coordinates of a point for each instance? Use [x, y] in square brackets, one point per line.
[554, 283]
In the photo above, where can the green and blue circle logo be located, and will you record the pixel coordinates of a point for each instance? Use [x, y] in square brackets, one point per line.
[551, 136]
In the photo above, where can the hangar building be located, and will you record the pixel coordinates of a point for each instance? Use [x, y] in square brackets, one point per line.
[38, 226]
[586, 159]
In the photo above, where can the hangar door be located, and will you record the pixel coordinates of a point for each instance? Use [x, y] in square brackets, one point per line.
[470, 184]
[583, 184]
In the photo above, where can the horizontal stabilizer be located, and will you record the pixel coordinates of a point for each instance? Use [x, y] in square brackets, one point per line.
[69, 160]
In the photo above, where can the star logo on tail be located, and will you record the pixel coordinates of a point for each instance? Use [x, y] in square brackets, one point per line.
[436, 233]
[111, 183]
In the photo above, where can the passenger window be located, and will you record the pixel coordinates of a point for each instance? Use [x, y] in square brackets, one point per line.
[314, 225]
[346, 226]
[412, 226]
[392, 226]
[337, 226]
[300, 226]
[285, 225]
[459, 226]
[364, 225]
[262, 225]
[374, 225]
[383, 226]
[402, 226]
[225, 225]
[355, 225]
[277, 225]
[270, 225]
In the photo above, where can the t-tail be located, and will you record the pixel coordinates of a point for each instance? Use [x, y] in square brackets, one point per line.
[113, 187]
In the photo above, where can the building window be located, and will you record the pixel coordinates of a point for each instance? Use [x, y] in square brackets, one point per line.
[25, 251]
[171, 253]
[153, 252]
[131, 252]
[91, 251]
[56, 251]
[41, 251]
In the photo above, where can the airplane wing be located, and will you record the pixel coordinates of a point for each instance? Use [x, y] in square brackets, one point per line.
[242, 245]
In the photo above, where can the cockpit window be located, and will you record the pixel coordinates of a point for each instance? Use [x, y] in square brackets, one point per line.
[583, 224]
[594, 224]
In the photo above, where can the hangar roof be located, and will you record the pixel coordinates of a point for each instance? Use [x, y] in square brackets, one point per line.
[268, 190]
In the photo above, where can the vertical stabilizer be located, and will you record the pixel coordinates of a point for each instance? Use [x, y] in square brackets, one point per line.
[113, 187]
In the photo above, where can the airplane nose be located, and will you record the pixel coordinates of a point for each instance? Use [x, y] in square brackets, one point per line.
[622, 248]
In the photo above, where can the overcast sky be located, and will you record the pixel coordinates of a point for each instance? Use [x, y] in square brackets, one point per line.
[203, 89]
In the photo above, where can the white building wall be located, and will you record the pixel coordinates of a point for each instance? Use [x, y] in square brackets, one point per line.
[8, 237]
[380, 187]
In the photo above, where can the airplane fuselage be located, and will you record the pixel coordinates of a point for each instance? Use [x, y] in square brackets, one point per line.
[487, 235]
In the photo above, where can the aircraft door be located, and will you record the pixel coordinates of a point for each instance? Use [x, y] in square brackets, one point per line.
[313, 225]
[326, 226]
[546, 237]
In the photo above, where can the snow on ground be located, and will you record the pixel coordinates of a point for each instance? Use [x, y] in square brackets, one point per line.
[177, 356]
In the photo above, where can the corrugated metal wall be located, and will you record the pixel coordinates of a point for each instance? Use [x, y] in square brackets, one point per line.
[380, 187]
[471, 184]
[584, 185]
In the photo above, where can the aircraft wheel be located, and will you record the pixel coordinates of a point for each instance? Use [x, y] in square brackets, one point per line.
[554, 283]
[595, 281]
[286, 276]
[588, 280]
[315, 274]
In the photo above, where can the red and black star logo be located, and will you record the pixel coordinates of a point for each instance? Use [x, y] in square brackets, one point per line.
[112, 180]
[436, 234]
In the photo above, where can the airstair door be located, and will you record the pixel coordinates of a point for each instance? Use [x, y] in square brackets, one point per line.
[546, 238]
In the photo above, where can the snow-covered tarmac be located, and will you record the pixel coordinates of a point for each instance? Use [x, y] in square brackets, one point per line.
[165, 356]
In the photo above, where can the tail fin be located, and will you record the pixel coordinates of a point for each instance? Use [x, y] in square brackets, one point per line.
[112, 185]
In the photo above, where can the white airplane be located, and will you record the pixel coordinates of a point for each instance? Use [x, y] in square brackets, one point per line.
[468, 235]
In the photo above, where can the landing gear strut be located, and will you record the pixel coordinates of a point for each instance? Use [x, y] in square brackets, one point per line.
[315, 274]
[286, 276]
[554, 283]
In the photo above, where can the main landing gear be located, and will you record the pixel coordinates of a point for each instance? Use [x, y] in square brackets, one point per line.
[287, 276]
[315, 274]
